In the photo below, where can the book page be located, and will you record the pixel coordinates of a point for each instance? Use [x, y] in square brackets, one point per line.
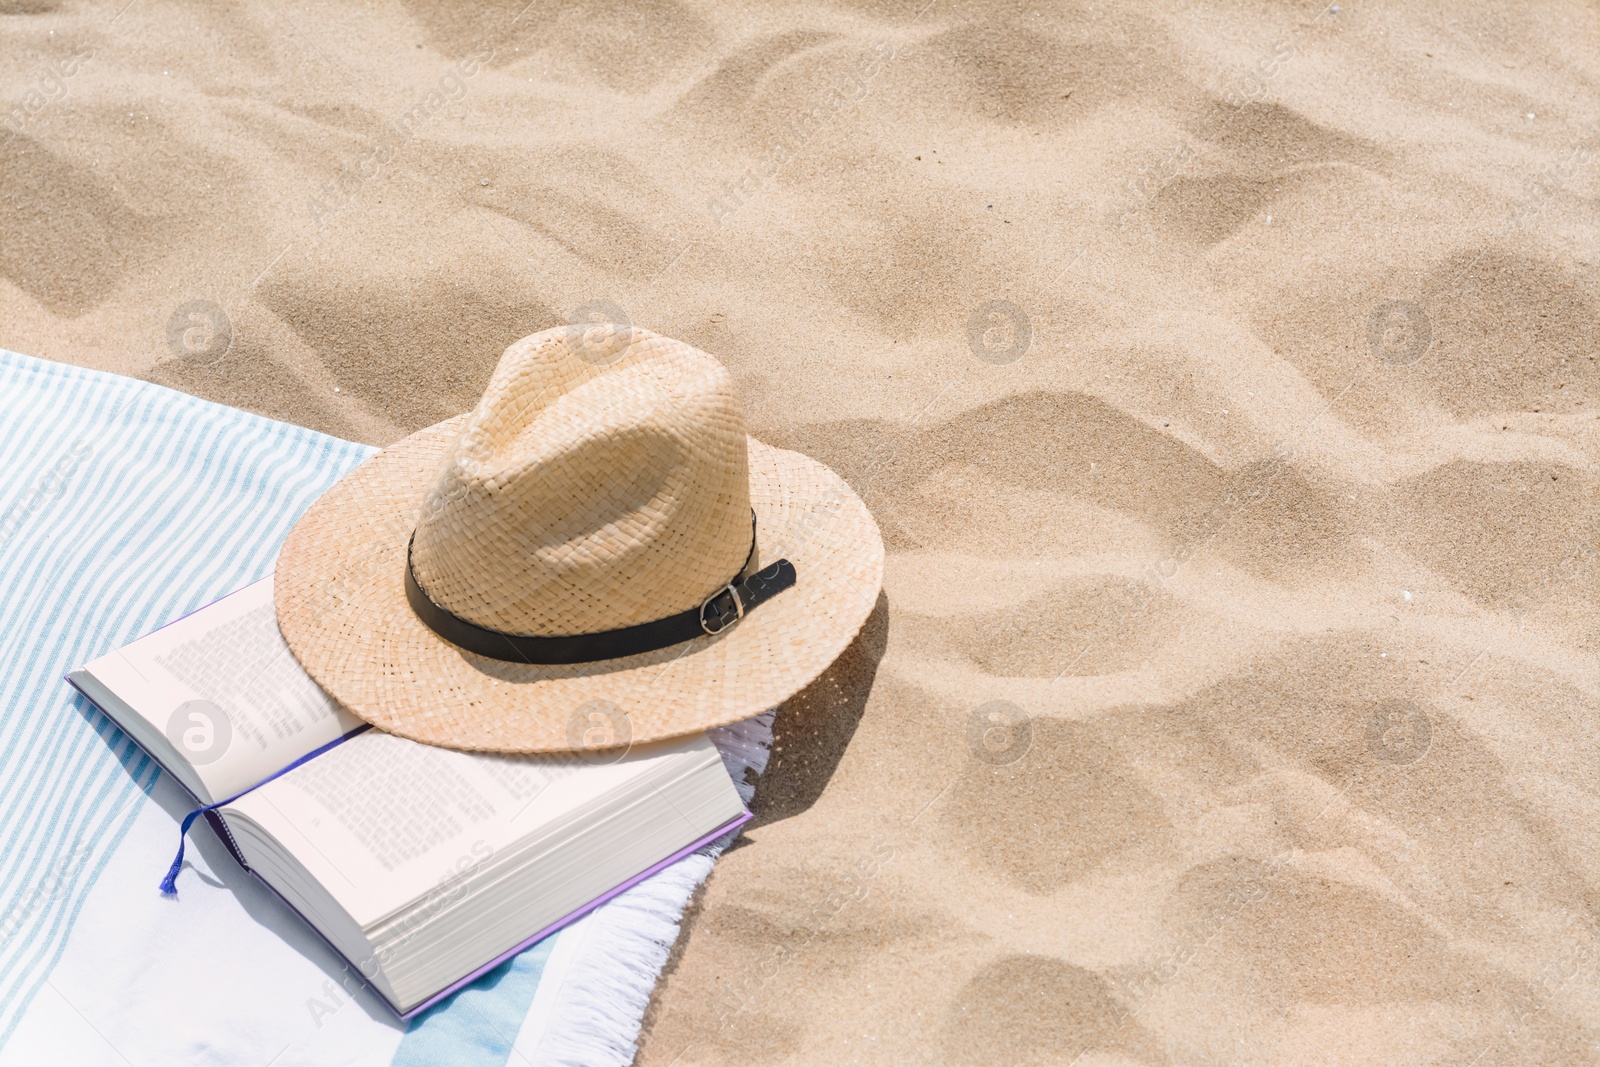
[223, 688]
[382, 821]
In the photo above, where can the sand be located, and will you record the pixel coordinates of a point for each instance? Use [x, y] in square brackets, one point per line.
[1223, 379]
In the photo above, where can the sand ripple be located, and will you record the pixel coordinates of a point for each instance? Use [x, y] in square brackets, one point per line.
[1224, 380]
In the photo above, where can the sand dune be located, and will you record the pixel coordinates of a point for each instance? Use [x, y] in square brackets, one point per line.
[1226, 382]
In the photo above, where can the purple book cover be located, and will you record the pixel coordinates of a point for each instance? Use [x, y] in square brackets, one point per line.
[220, 827]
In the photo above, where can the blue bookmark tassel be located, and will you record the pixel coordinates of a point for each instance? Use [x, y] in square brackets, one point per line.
[169, 884]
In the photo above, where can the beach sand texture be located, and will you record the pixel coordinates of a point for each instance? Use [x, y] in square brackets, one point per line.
[1223, 377]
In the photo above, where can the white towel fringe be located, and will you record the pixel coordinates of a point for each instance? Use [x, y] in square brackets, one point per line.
[603, 1000]
[745, 747]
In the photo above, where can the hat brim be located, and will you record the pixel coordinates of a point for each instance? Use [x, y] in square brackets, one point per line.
[341, 604]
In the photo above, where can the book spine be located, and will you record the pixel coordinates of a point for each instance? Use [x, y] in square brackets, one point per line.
[219, 826]
[567, 920]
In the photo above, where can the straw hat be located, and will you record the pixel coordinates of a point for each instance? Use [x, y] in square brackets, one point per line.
[596, 555]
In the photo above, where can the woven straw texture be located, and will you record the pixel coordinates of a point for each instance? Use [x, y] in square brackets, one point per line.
[588, 494]
[339, 579]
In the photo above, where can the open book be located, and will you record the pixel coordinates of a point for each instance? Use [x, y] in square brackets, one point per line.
[423, 867]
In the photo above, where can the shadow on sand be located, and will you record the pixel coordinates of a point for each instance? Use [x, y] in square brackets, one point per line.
[814, 727]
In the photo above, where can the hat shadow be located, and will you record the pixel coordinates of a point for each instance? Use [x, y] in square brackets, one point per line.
[814, 727]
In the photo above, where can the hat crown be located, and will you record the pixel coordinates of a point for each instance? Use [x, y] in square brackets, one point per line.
[601, 482]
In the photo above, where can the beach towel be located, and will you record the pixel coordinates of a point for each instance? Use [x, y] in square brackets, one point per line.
[123, 506]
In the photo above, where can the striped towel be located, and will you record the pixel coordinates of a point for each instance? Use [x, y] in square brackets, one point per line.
[122, 507]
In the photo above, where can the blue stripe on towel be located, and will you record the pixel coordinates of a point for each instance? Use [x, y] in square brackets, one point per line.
[123, 506]
[477, 1026]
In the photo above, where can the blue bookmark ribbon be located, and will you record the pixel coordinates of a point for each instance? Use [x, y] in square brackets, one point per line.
[169, 884]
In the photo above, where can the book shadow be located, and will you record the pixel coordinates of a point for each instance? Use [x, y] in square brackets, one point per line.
[815, 726]
[222, 870]
[811, 732]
